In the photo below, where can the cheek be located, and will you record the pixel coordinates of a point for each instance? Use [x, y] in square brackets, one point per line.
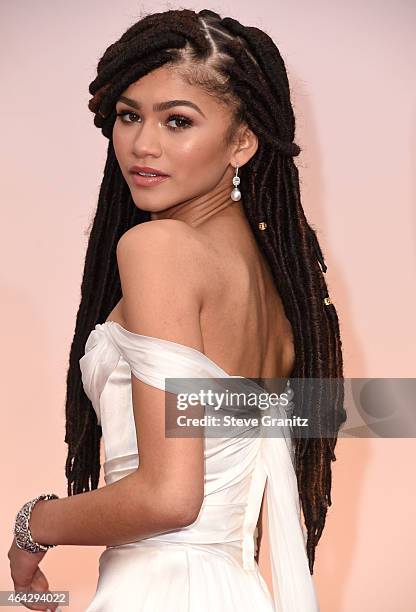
[200, 150]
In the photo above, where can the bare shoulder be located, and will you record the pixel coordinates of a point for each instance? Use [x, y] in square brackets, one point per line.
[159, 227]
[160, 238]
[160, 272]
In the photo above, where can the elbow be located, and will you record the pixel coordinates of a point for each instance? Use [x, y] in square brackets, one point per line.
[172, 504]
[183, 510]
[186, 516]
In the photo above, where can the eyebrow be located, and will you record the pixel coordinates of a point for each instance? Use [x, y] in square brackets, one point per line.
[161, 106]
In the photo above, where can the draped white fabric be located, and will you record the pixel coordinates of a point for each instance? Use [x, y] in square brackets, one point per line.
[208, 565]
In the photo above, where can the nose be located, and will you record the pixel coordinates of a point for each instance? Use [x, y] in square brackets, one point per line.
[146, 141]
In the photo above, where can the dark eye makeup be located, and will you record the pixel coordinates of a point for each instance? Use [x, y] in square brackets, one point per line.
[179, 118]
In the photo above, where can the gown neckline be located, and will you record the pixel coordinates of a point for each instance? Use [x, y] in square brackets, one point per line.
[172, 343]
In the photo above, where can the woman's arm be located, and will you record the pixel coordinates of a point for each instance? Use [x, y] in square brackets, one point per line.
[160, 274]
[124, 511]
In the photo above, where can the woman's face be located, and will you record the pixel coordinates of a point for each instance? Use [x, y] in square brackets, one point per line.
[183, 141]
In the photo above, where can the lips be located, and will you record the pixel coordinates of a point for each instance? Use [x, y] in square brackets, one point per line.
[146, 169]
[147, 181]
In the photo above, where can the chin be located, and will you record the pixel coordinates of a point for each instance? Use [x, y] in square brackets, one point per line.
[148, 206]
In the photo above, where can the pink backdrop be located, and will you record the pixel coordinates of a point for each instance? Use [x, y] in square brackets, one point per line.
[354, 96]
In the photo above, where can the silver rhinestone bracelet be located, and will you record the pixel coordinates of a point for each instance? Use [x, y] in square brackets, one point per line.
[21, 529]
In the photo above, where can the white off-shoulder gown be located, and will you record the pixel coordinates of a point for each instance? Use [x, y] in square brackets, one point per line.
[208, 566]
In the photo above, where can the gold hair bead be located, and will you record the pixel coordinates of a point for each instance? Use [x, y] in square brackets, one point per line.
[262, 225]
[327, 301]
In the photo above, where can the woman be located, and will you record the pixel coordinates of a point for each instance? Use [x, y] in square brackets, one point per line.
[211, 253]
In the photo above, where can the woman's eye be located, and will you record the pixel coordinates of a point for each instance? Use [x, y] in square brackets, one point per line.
[182, 122]
[185, 122]
[125, 113]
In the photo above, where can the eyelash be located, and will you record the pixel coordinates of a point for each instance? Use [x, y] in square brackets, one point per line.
[176, 117]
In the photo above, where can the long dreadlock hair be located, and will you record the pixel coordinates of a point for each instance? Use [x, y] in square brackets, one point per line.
[243, 68]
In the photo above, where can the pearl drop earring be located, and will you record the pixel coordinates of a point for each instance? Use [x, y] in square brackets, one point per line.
[236, 193]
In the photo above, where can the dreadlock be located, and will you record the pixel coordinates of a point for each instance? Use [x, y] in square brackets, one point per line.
[243, 68]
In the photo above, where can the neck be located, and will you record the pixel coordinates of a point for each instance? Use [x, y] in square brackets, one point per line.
[197, 211]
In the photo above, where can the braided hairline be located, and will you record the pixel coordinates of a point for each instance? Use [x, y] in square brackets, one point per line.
[241, 48]
[224, 32]
[289, 149]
